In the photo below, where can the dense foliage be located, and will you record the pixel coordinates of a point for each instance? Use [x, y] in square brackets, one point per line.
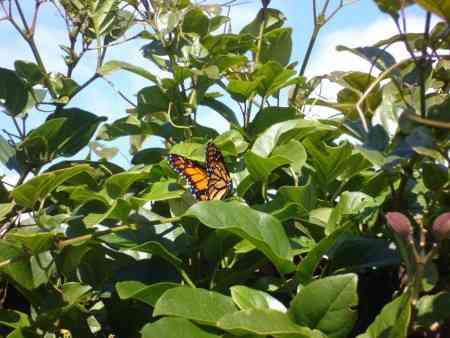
[336, 228]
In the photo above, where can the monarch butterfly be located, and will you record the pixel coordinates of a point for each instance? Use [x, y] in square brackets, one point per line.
[210, 182]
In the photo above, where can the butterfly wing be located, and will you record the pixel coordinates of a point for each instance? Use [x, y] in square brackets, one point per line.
[219, 182]
[194, 173]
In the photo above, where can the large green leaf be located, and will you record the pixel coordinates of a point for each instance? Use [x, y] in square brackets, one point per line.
[438, 7]
[226, 112]
[272, 78]
[14, 319]
[270, 17]
[39, 187]
[5, 209]
[265, 322]
[264, 231]
[12, 91]
[277, 46]
[329, 162]
[8, 155]
[202, 306]
[148, 294]
[113, 66]
[174, 328]
[33, 240]
[393, 320]
[333, 314]
[102, 14]
[433, 308]
[353, 205]
[291, 202]
[353, 253]
[283, 131]
[305, 269]
[260, 168]
[248, 298]
[268, 116]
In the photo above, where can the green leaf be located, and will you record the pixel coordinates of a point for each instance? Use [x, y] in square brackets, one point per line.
[271, 18]
[353, 253]
[8, 155]
[103, 15]
[10, 251]
[393, 320]
[174, 328]
[149, 156]
[433, 308]
[247, 298]
[195, 21]
[34, 242]
[294, 152]
[351, 205]
[435, 176]
[23, 333]
[328, 162]
[376, 56]
[64, 133]
[268, 116]
[226, 112]
[161, 191]
[264, 231]
[272, 78]
[106, 153]
[260, 168]
[148, 294]
[207, 308]
[13, 91]
[152, 100]
[5, 209]
[277, 46]
[74, 292]
[167, 21]
[390, 7]
[156, 248]
[283, 131]
[231, 142]
[307, 266]
[14, 319]
[114, 65]
[264, 322]
[29, 71]
[39, 187]
[438, 7]
[117, 185]
[241, 90]
[292, 202]
[333, 314]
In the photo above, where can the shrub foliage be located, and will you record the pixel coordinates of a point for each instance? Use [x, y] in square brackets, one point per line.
[337, 227]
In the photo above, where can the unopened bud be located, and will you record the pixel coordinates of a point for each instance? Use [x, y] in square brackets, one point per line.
[400, 224]
[441, 226]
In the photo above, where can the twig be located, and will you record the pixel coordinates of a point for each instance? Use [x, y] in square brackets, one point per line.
[422, 64]
[372, 86]
[122, 95]
[35, 16]
[427, 121]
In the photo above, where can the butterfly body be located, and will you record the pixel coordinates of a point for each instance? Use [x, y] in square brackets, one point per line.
[210, 182]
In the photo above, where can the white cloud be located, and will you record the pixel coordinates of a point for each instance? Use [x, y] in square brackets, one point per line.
[326, 59]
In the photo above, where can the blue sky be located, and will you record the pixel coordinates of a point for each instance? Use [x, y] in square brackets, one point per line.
[358, 24]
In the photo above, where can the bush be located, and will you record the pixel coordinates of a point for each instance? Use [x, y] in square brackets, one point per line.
[335, 227]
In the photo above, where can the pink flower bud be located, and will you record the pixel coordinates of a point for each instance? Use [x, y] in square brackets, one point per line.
[400, 224]
[441, 226]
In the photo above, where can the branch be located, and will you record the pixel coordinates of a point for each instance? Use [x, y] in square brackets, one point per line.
[372, 86]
